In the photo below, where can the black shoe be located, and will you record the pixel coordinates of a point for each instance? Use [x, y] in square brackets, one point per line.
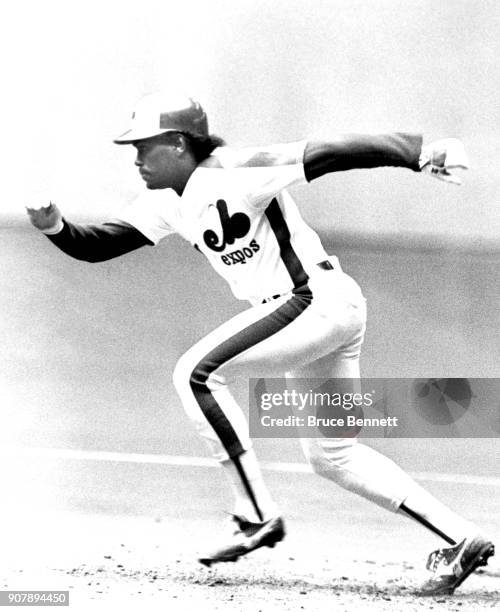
[451, 566]
[247, 537]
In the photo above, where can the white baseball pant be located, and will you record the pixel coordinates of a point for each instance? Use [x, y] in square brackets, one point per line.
[314, 332]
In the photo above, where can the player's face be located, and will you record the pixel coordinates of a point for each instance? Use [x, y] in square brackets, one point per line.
[160, 164]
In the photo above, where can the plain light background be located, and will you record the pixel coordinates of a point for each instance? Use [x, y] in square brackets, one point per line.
[267, 71]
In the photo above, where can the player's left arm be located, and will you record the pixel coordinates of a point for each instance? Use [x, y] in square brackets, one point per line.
[91, 243]
[352, 151]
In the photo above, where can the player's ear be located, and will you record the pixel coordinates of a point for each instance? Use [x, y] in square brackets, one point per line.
[179, 142]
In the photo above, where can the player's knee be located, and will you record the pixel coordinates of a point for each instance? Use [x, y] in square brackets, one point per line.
[182, 373]
[317, 463]
[327, 455]
[190, 373]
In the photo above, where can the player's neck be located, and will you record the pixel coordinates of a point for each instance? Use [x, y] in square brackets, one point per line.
[183, 177]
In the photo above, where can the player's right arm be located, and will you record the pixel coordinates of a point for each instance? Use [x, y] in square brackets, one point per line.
[356, 151]
[92, 243]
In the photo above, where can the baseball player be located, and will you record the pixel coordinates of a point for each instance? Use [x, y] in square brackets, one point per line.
[307, 317]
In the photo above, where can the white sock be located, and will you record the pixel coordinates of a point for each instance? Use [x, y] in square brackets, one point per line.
[252, 498]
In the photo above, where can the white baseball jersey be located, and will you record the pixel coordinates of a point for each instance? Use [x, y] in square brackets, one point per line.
[235, 209]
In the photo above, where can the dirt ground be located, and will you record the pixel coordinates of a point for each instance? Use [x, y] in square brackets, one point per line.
[133, 563]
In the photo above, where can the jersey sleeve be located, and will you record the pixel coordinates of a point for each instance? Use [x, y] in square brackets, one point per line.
[265, 171]
[357, 151]
[95, 243]
[149, 212]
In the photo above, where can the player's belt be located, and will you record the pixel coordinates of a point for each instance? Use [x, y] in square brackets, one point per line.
[323, 265]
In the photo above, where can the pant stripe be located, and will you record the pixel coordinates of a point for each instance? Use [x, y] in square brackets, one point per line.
[426, 523]
[290, 258]
[248, 487]
[230, 348]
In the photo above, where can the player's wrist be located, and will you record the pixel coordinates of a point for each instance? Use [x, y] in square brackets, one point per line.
[54, 229]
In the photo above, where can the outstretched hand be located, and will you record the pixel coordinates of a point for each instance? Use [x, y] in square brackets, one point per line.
[441, 156]
[45, 218]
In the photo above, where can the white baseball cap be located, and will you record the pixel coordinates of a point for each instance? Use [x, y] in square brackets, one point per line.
[162, 112]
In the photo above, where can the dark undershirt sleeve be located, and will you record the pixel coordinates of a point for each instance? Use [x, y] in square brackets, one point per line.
[95, 243]
[353, 151]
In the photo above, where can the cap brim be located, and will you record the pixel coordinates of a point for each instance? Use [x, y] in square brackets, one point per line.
[133, 135]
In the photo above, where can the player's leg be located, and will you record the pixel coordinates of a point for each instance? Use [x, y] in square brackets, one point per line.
[205, 393]
[366, 472]
[202, 383]
[266, 340]
[345, 461]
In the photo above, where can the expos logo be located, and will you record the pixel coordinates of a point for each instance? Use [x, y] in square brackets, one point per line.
[233, 227]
